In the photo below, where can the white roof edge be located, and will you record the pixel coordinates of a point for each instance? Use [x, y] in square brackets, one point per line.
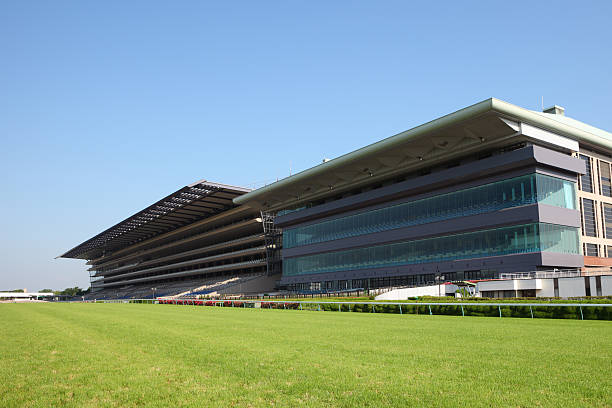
[472, 111]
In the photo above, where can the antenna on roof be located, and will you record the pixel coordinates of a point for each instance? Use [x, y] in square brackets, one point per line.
[542, 103]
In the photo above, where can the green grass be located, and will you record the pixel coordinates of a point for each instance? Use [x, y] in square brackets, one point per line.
[448, 299]
[92, 355]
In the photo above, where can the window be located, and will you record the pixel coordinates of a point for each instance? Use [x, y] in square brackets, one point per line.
[588, 217]
[606, 217]
[527, 293]
[591, 250]
[513, 192]
[604, 176]
[500, 241]
[469, 275]
[586, 183]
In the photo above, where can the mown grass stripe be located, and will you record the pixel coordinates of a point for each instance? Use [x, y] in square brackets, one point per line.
[127, 355]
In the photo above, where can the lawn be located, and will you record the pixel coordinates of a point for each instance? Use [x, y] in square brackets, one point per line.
[93, 355]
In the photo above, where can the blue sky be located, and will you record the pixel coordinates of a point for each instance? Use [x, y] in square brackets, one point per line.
[105, 107]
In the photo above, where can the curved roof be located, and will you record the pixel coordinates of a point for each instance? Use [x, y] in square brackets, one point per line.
[191, 203]
[468, 129]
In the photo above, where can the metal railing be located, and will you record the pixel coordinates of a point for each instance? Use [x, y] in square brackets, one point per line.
[431, 308]
[558, 273]
[542, 274]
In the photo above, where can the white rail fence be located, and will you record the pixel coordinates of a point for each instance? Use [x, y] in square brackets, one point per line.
[582, 311]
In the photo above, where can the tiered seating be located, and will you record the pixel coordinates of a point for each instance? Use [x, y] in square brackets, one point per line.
[190, 288]
[220, 283]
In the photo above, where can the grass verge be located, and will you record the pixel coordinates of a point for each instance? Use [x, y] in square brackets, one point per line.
[91, 355]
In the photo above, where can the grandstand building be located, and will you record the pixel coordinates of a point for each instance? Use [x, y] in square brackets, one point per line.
[488, 190]
[194, 241]
[482, 193]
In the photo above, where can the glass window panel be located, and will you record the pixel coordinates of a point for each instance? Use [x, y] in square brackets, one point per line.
[591, 250]
[588, 215]
[500, 241]
[607, 218]
[604, 174]
[513, 192]
[586, 183]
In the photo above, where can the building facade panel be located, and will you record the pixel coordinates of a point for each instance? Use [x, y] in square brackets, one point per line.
[595, 200]
[518, 208]
[449, 214]
[517, 239]
[488, 198]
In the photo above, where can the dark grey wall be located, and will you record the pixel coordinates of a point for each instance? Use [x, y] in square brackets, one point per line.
[501, 264]
[511, 164]
[514, 163]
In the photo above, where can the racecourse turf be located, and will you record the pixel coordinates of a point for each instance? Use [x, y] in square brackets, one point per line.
[124, 355]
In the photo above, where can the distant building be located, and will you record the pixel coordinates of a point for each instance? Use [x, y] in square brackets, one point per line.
[25, 295]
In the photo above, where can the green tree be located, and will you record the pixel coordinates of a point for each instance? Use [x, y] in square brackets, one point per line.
[76, 291]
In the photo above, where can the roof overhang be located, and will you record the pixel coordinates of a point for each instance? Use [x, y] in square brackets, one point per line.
[189, 204]
[482, 126]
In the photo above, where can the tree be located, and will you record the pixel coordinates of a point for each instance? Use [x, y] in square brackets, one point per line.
[76, 291]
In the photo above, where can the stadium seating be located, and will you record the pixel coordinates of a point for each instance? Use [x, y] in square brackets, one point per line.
[187, 289]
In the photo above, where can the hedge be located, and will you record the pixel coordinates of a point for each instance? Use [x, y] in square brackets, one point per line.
[449, 309]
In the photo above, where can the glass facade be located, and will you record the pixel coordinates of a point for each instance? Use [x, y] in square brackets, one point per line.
[513, 192]
[500, 241]
[387, 281]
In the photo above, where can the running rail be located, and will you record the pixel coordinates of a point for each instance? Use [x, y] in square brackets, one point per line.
[191, 302]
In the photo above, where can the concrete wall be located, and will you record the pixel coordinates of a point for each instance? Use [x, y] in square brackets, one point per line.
[405, 293]
[571, 287]
[568, 287]
[509, 284]
[606, 285]
[547, 290]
